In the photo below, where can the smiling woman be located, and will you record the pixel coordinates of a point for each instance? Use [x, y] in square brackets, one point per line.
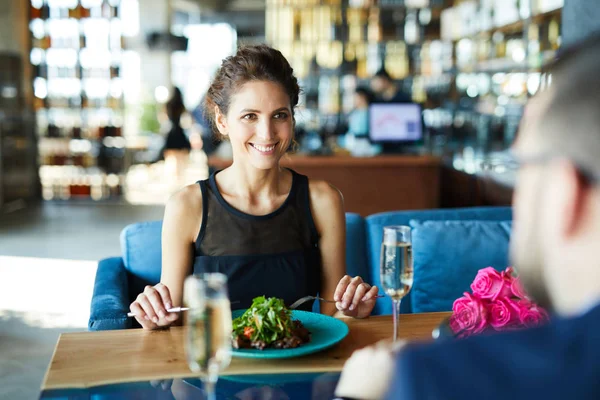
[272, 231]
[253, 98]
[264, 132]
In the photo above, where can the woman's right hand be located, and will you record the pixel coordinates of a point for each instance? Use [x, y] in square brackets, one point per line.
[150, 307]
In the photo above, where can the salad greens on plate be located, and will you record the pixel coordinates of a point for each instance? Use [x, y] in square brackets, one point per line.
[268, 323]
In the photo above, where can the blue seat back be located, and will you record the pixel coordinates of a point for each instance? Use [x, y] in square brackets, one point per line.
[374, 236]
[142, 254]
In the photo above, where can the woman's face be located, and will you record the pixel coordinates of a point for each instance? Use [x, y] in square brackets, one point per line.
[259, 124]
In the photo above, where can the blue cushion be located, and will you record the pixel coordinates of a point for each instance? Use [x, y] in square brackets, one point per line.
[447, 256]
[142, 254]
[374, 232]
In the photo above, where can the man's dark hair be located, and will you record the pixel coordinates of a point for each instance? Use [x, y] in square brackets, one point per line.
[570, 123]
[382, 73]
[366, 93]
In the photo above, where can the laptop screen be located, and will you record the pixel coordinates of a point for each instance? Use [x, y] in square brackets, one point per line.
[395, 122]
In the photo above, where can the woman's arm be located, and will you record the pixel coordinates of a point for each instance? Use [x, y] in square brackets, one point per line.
[353, 296]
[327, 208]
[181, 224]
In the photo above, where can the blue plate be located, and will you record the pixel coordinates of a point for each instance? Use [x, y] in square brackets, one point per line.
[325, 332]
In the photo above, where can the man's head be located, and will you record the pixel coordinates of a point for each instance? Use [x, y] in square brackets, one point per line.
[557, 199]
[382, 82]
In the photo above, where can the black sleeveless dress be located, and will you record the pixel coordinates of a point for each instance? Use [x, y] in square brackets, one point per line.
[274, 255]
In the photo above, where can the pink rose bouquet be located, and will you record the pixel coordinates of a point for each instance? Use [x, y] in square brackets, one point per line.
[498, 302]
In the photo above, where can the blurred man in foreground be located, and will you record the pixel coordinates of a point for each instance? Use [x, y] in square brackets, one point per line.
[554, 246]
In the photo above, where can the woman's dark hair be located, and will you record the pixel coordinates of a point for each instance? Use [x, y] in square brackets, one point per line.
[366, 93]
[175, 106]
[250, 63]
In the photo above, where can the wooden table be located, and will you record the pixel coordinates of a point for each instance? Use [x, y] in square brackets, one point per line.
[87, 359]
[371, 184]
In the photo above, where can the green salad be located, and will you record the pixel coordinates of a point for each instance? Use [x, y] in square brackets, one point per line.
[268, 323]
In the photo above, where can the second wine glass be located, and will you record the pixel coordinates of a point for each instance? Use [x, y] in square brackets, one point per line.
[396, 268]
[208, 327]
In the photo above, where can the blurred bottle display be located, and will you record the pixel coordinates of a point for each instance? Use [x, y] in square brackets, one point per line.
[73, 182]
[472, 63]
[78, 96]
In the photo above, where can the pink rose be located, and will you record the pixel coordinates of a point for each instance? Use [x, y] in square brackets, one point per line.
[469, 316]
[504, 314]
[490, 284]
[517, 289]
[530, 314]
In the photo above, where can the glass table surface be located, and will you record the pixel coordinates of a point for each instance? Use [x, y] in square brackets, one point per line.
[311, 386]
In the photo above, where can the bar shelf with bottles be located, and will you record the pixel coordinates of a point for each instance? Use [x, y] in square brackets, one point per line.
[500, 49]
[336, 45]
[76, 53]
[503, 36]
[473, 64]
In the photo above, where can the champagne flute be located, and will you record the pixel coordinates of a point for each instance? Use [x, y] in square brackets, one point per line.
[396, 268]
[208, 327]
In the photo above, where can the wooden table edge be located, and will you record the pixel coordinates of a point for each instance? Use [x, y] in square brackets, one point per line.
[101, 382]
[50, 363]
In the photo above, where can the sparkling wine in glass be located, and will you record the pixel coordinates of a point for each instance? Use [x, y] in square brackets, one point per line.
[208, 327]
[396, 268]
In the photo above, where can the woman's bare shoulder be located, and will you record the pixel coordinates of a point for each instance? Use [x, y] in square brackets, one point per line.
[184, 209]
[324, 194]
[188, 198]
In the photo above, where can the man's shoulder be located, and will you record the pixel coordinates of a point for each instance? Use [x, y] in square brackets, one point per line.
[558, 329]
[496, 345]
[528, 358]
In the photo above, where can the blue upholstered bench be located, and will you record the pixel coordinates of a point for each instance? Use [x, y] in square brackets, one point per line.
[449, 246]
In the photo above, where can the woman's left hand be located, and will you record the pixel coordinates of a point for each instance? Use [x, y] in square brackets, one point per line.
[354, 297]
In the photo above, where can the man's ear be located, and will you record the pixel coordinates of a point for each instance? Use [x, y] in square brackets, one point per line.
[221, 121]
[573, 197]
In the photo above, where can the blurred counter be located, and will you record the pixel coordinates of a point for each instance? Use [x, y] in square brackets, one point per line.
[468, 180]
[371, 185]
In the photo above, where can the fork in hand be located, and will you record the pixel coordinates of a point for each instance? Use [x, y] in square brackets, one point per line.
[304, 299]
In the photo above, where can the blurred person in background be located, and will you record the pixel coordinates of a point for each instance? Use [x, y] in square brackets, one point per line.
[358, 119]
[203, 125]
[177, 147]
[204, 134]
[386, 88]
[356, 139]
[554, 246]
[272, 231]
